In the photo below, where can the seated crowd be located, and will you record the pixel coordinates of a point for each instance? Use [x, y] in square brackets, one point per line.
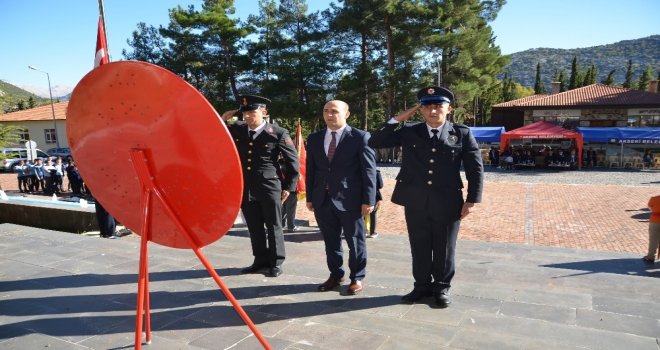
[524, 156]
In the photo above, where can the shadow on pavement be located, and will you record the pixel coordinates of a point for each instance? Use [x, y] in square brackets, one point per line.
[630, 267]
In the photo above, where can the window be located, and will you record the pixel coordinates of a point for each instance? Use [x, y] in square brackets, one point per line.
[24, 134]
[51, 135]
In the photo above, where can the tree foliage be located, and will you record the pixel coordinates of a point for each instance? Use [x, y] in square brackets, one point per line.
[538, 86]
[373, 54]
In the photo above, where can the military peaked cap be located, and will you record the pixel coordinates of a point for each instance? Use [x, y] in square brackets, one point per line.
[435, 95]
[252, 102]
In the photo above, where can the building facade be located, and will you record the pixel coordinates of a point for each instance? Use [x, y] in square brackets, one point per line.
[595, 105]
[38, 125]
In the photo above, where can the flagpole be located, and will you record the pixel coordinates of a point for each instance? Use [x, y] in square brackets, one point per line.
[102, 13]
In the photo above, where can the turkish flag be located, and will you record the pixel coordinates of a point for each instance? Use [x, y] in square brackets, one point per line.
[302, 156]
[101, 46]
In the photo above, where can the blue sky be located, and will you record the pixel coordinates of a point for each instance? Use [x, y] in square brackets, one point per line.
[60, 36]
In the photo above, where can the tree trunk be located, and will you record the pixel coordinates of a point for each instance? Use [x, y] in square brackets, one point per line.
[390, 68]
[230, 70]
[365, 82]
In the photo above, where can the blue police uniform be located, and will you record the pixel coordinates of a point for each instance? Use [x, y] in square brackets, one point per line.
[429, 186]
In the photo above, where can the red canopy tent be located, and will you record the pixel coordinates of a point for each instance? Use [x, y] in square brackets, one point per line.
[542, 130]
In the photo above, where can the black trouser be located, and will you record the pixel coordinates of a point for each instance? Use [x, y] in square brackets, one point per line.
[264, 221]
[76, 186]
[289, 210]
[107, 224]
[372, 221]
[433, 233]
[23, 183]
[34, 183]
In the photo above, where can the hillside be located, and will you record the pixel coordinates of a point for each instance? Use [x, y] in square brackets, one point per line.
[10, 95]
[605, 57]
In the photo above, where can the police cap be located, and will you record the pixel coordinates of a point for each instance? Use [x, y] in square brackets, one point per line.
[435, 95]
[252, 102]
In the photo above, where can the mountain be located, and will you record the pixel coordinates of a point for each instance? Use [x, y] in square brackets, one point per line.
[10, 96]
[522, 67]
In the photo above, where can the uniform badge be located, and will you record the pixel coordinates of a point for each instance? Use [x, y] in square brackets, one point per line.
[430, 91]
[288, 141]
[270, 130]
[452, 139]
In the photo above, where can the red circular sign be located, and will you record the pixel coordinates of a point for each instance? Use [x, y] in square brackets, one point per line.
[122, 106]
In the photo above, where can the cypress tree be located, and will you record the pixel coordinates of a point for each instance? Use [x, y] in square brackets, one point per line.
[643, 83]
[629, 74]
[562, 81]
[610, 78]
[538, 85]
[574, 80]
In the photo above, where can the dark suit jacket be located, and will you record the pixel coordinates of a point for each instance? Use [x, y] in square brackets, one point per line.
[427, 170]
[350, 179]
[259, 160]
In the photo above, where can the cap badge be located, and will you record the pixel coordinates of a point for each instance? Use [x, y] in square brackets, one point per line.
[245, 103]
[431, 91]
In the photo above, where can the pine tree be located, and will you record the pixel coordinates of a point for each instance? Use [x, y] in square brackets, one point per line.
[538, 86]
[574, 80]
[459, 29]
[20, 105]
[31, 102]
[147, 43]
[355, 27]
[629, 76]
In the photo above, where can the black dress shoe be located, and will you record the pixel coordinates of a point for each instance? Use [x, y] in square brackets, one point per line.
[442, 299]
[254, 268]
[415, 296]
[275, 271]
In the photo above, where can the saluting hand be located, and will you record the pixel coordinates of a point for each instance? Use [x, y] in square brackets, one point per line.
[226, 115]
[405, 115]
[466, 209]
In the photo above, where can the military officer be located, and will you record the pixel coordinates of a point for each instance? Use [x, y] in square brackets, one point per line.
[429, 186]
[259, 146]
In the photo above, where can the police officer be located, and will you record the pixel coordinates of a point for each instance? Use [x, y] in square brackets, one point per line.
[429, 186]
[259, 146]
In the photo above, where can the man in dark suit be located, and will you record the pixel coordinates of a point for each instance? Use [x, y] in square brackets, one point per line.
[259, 146]
[341, 189]
[429, 186]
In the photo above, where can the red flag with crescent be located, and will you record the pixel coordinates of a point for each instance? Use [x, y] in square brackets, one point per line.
[302, 156]
[101, 46]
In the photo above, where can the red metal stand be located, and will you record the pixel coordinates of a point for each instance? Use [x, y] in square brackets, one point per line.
[149, 189]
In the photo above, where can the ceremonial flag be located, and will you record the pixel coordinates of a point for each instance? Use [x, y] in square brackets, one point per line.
[101, 46]
[302, 157]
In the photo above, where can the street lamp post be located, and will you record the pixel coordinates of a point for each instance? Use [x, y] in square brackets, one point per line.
[52, 107]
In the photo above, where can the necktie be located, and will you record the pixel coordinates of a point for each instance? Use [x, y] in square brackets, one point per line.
[333, 146]
[434, 138]
[252, 132]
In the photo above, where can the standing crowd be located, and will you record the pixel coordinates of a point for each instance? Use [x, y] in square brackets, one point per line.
[47, 176]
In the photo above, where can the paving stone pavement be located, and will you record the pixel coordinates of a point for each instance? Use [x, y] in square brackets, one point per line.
[66, 291]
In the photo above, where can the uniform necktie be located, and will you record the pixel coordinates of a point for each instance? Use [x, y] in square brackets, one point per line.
[333, 146]
[434, 138]
[252, 133]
